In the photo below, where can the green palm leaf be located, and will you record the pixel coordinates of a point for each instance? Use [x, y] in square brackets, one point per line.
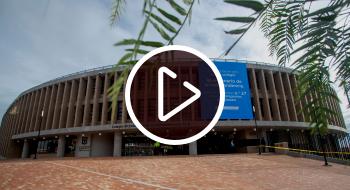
[237, 31]
[177, 7]
[160, 31]
[165, 24]
[237, 19]
[169, 16]
[144, 43]
[255, 5]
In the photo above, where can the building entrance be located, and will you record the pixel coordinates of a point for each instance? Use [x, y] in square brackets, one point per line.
[217, 143]
[70, 145]
[225, 142]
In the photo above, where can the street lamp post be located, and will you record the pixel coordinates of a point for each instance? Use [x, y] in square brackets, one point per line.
[37, 144]
[257, 132]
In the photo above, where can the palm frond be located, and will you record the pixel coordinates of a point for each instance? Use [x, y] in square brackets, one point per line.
[117, 8]
[160, 20]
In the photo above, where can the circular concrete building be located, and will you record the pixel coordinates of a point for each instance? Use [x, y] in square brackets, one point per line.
[72, 116]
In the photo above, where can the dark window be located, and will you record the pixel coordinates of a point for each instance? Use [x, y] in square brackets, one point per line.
[276, 84]
[258, 85]
[109, 113]
[270, 105]
[84, 88]
[111, 79]
[249, 79]
[266, 82]
[280, 105]
[82, 115]
[261, 107]
[120, 110]
[100, 112]
[102, 85]
[93, 84]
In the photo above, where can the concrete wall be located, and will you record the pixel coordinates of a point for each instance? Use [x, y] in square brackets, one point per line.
[83, 150]
[81, 100]
[102, 145]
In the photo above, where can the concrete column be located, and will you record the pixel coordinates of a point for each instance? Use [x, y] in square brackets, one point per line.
[19, 115]
[255, 93]
[95, 107]
[58, 103]
[51, 108]
[72, 101]
[79, 109]
[261, 78]
[297, 102]
[61, 146]
[117, 150]
[335, 108]
[340, 115]
[105, 100]
[64, 105]
[25, 113]
[11, 132]
[329, 105]
[46, 107]
[289, 93]
[124, 112]
[274, 99]
[192, 147]
[264, 136]
[25, 149]
[284, 110]
[3, 133]
[30, 109]
[87, 108]
[114, 108]
[33, 111]
[305, 101]
[39, 109]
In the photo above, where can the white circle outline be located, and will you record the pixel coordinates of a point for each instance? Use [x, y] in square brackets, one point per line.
[188, 139]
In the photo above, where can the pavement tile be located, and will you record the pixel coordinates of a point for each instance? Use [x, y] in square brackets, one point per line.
[238, 171]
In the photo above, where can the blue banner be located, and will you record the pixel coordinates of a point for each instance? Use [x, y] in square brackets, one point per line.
[237, 92]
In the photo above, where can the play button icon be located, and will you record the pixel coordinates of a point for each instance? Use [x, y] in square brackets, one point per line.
[196, 91]
[174, 95]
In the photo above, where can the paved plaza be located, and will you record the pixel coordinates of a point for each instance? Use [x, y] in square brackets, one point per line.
[240, 171]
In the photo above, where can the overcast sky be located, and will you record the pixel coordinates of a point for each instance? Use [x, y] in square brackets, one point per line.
[44, 39]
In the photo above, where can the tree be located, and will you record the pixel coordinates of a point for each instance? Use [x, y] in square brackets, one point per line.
[321, 36]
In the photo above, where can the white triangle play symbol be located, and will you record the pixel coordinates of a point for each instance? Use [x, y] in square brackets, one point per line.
[196, 91]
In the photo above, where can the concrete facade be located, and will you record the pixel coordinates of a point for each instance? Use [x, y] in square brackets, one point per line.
[117, 144]
[83, 147]
[193, 148]
[78, 104]
[25, 150]
[102, 145]
[61, 146]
